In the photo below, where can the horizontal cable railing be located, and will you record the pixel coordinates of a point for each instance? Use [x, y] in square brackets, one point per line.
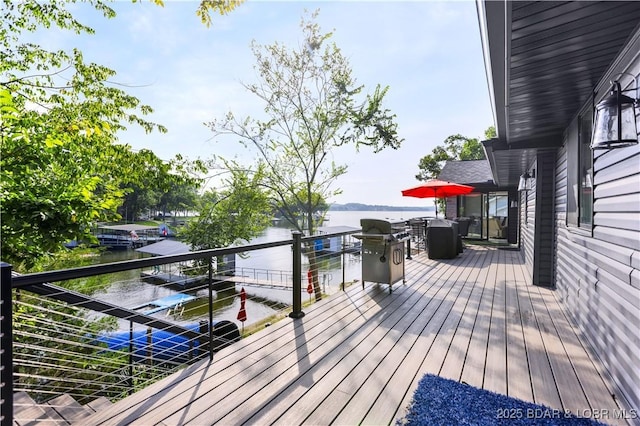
[111, 329]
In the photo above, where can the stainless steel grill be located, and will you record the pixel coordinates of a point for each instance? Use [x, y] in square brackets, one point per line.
[382, 251]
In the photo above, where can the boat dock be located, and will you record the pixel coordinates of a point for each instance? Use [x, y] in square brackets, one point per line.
[170, 302]
[186, 282]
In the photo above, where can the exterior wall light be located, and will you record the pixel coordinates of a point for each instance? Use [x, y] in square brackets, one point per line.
[615, 122]
[525, 182]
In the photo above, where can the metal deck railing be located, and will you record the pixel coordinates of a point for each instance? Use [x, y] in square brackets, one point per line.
[122, 330]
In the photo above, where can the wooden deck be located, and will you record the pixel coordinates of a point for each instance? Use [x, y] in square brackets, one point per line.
[357, 357]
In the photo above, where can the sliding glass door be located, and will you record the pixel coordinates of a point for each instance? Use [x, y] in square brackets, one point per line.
[474, 207]
[487, 214]
[497, 217]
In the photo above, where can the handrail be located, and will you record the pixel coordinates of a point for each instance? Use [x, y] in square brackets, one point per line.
[126, 265]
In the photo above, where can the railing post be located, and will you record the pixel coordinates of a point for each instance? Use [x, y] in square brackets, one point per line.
[344, 267]
[210, 309]
[6, 345]
[131, 350]
[297, 276]
[149, 346]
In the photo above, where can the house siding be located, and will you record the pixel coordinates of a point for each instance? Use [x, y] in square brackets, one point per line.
[513, 219]
[544, 234]
[537, 230]
[597, 269]
[527, 224]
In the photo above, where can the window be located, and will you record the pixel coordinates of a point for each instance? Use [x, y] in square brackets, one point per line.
[585, 161]
[580, 170]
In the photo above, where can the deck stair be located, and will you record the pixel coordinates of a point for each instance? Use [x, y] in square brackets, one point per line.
[61, 410]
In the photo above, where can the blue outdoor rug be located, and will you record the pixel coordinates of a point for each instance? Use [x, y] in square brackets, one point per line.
[439, 401]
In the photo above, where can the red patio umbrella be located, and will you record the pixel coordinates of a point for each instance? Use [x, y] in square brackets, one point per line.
[437, 189]
[242, 314]
[310, 279]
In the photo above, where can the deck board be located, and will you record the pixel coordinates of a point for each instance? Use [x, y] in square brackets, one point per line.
[390, 400]
[457, 353]
[473, 369]
[357, 357]
[346, 379]
[571, 394]
[495, 375]
[518, 373]
[593, 386]
[265, 346]
[369, 392]
[247, 376]
[542, 379]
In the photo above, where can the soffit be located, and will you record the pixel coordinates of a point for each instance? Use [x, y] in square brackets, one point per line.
[557, 53]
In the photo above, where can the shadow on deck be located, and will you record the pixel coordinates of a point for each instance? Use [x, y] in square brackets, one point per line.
[357, 357]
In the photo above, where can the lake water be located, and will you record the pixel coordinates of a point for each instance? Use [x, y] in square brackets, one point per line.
[352, 218]
[280, 258]
[129, 291]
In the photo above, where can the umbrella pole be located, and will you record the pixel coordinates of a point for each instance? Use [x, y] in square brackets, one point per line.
[435, 200]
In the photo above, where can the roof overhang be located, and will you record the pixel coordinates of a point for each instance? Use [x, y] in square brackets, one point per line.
[544, 61]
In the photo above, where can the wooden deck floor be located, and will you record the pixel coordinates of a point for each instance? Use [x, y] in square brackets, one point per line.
[357, 357]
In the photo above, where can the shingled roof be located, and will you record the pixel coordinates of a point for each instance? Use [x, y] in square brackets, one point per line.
[476, 173]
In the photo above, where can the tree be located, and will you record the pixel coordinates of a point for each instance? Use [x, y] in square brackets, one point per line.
[236, 213]
[60, 166]
[159, 184]
[311, 101]
[296, 212]
[221, 7]
[455, 147]
[61, 170]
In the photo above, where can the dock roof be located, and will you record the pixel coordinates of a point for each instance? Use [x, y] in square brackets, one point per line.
[128, 227]
[165, 248]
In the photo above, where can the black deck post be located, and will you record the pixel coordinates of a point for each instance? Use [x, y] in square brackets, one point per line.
[131, 350]
[6, 345]
[344, 248]
[297, 276]
[210, 330]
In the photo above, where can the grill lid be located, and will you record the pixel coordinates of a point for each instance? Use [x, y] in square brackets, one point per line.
[376, 226]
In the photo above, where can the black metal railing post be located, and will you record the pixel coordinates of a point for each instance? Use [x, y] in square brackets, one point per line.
[297, 276]
[210, 328]
[344, 267]
[131, 350]
[6, 345]
[149, 347]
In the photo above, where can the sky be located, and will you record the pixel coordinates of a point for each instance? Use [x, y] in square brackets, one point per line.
[427, 52]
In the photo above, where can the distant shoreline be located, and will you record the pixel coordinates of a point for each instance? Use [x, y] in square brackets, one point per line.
[367, 207]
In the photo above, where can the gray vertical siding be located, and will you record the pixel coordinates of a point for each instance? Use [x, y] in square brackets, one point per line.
[537, 238]
[544, 234]
[597, 271]
[513, 218]
[527, 224]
